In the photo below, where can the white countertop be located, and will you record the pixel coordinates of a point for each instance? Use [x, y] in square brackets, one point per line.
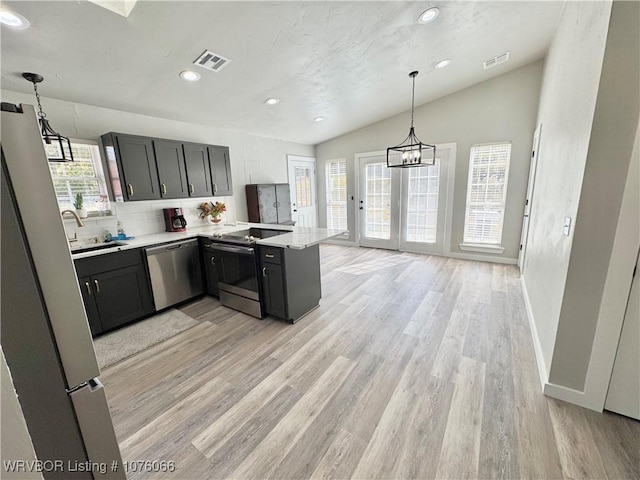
[299, 238]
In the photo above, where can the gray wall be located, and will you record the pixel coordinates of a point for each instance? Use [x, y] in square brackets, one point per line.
[253, 158]
[16, 441]
[500, 109]
[608, 157]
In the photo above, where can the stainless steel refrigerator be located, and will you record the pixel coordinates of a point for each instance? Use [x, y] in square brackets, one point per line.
[44, 330]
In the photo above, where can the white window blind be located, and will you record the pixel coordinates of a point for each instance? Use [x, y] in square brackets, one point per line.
[486, 193]
[84, 175]
[336, 172]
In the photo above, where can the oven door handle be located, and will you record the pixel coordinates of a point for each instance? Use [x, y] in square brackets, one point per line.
[233, 249]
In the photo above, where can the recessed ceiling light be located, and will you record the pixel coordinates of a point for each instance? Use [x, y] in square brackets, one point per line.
[443, 63]
[190, 75]
[13, 19]
[272, 101]
[429, 15]
[318, 119]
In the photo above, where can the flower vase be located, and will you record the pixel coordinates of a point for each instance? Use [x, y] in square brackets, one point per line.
[215, 220]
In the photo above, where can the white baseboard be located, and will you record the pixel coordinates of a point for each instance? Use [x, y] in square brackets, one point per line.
[482, 258]
[569, 395]
[537, 347]
[346, 243]
[550, 389]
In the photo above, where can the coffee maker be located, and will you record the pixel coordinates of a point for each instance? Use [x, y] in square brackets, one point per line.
[174, 220]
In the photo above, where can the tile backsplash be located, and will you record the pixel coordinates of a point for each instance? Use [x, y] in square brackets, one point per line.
[141, 218]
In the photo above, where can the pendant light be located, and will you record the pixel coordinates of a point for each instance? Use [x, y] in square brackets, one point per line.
[411, 152]
[49, 135]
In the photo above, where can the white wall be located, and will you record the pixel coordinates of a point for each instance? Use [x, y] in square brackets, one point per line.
[253, 158]
[567, 105]
[500, 109]
[589, 108]
[611, 144]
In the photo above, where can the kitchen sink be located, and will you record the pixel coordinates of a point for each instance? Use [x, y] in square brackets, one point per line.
[99, 246]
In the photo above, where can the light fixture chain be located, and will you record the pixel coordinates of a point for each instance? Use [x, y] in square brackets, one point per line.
[41, 114]
[413, 98]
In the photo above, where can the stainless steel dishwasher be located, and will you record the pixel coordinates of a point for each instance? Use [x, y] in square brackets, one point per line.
[175, 271]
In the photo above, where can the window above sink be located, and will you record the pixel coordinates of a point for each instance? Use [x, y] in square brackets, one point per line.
[85, 175]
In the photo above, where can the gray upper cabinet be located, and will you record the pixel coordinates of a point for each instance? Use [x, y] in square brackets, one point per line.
[220, 171]
[196, 161]
[132, 167]
[143, 168]
[171, 169]
[283, 202]
[269, 203]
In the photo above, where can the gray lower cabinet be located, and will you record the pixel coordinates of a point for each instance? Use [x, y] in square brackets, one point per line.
[115, 289]
[290, 281]
[209, 268]
[269, 203]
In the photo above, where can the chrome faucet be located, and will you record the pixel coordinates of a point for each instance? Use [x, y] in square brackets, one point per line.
[78, 221]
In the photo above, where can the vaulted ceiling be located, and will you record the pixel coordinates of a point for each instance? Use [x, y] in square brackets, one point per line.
[344, 61]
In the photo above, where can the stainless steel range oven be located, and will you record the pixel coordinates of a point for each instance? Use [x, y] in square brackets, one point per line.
[238, 278]
[237, 268]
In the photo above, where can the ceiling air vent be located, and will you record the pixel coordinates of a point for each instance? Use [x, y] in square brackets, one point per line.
[497, 60]
[211, 61]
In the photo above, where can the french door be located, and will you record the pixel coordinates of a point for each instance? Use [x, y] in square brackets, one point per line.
[403, 208]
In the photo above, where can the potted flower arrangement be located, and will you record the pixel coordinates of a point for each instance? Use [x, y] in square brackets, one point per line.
[212, 211]
[78, 203]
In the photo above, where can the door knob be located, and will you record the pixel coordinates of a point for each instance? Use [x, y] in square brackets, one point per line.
[361, 208]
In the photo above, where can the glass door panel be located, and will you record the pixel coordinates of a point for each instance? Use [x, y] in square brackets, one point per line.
[379, 190]
[421, 224]
[378, 201]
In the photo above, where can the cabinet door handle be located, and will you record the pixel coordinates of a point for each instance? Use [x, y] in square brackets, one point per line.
[268, 255]
[264, 271]
[95, 282]
[88, 288]
[215, 187]
[130, 188]
[191, 189]
[213, 261]
[164, 189]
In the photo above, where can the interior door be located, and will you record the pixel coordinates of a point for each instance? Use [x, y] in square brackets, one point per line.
[424, 205]
[302, 182]
[378, 202]
[528, 202]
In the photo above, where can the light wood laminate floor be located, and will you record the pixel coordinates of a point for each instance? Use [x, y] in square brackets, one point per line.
[413, 367]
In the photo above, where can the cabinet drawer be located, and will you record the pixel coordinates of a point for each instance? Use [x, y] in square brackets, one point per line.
[271, 255]
[108, 261]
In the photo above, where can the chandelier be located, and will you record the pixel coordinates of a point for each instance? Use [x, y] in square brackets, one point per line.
[411, 152]
[62, 146]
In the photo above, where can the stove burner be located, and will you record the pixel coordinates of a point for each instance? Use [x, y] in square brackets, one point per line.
[246, 237]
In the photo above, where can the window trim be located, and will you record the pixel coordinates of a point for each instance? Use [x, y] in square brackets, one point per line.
[346, 200]
[486, 247]
[101, 175]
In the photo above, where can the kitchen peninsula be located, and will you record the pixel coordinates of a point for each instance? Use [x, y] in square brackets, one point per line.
[277, 275]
